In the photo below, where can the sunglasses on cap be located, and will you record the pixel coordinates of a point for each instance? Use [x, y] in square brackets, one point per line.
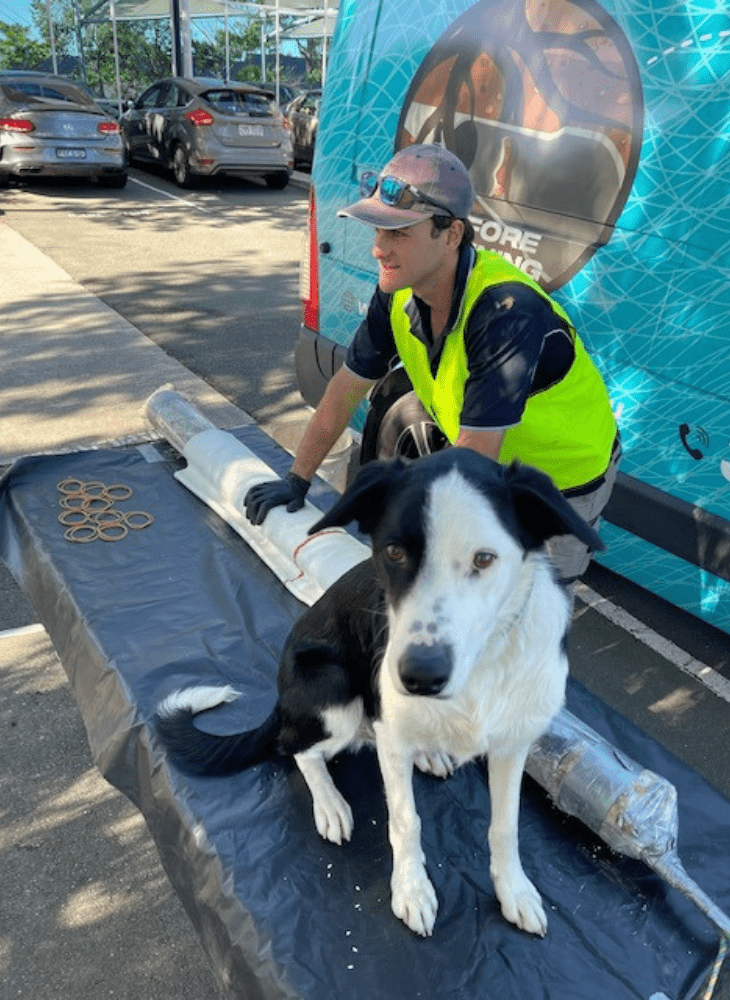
[397, 193]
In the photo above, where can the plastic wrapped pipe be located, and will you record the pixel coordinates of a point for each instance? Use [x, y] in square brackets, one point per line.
[220, 470]
[630, 808]
[173, 416]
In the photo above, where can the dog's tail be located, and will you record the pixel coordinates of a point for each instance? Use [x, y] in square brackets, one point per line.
[197, 752]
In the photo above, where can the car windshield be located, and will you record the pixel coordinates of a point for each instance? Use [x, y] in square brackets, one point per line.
[17, 89]
[240, 102]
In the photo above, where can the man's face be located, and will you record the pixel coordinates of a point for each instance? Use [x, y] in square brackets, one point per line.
[410, 258]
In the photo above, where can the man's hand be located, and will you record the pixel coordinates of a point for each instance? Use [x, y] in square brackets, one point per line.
[262, 498]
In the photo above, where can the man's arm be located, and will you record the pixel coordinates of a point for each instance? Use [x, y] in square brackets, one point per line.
[343, 393]
[486, 442]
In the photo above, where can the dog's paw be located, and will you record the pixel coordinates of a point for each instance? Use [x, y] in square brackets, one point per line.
[333, 817]
[414, 899]
[521, 903]
[440, 765]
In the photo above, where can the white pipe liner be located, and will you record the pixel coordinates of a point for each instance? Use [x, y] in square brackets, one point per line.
[221, 470]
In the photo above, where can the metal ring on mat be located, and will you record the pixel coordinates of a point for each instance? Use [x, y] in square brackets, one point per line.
[118, 491]
[112, 532]
[71, 487]
[73, 518]
[81, 533]
[147, 519]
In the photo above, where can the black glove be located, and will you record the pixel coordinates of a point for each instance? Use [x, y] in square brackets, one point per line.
[263, 497]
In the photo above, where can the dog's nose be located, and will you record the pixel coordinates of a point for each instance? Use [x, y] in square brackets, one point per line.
[425, 670]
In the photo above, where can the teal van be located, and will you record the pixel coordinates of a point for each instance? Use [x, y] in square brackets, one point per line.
[597, 136]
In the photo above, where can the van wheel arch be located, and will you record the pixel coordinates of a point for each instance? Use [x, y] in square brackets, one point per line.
[397, 424]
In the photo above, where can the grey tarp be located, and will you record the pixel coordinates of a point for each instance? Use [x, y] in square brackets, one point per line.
[280, 912]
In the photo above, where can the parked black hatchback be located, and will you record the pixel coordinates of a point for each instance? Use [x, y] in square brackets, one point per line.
[201, 129]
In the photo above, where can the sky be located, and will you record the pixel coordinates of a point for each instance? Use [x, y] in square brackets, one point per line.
[15, 12]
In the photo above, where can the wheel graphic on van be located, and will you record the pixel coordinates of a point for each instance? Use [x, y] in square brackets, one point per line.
[543, 103]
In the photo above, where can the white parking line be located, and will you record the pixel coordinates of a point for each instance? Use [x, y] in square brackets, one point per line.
[173, 197]
[718, 684]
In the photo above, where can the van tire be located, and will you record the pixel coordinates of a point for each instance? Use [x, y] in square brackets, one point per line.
[397, 426]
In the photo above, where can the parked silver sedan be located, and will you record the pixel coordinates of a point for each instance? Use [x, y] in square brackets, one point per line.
[51, 126]
[200, 129]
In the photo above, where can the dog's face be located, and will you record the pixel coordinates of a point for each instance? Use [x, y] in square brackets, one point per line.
[448, 567]
[451, 534]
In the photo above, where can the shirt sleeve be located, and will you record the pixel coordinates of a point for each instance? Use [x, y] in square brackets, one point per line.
[372, 350]
[503, 340]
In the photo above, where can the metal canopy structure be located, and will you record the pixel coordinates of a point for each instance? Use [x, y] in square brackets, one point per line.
[316, 20]
[320, 26]
[128, 10]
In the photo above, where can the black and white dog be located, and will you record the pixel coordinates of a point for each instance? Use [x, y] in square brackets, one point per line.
[449, 644]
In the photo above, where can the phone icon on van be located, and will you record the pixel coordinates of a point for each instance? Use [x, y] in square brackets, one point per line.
[683, 434]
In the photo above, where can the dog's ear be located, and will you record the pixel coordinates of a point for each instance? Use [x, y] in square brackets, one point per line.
[543, 511]
[364, 501]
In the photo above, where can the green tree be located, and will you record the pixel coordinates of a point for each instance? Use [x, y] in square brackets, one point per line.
[18, 50]
[310, 49]
[63, 25]
[144, 47]
[209, 57]
[144, 55]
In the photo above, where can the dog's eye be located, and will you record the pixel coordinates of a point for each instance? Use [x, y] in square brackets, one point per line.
[483, 559]
[395, 553]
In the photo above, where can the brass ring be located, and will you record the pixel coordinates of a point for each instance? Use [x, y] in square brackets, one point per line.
[92, 504]
[121, 492]
[73, 501]
[109, 516]
[147, 519]
[94, 489]
[71, 487]
[77, 533]
[73, 518]
[108, 532]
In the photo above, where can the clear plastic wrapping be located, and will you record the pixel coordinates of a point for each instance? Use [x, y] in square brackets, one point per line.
[631, 808]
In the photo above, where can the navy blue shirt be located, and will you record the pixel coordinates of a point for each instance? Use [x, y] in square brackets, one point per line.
[515, 345]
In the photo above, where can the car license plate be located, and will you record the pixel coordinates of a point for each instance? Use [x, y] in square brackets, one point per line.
[71, 154]
[251, 130]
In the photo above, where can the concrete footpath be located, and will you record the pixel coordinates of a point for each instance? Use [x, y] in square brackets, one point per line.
[86, 911]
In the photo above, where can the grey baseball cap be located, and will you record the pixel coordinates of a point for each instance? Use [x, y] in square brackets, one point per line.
[433, 171]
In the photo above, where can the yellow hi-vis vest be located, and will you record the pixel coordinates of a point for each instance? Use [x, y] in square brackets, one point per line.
[567, 429]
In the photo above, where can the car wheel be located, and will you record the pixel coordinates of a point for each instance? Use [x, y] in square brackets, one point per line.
[181, 171]
[277, 181]
[397, 425]
[4, 179]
